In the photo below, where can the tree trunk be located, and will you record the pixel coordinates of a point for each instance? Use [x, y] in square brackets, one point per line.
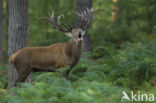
[18, 34]
[117, 12]
[149, 18]
[1, 30]
[6, 38]
[81, 5]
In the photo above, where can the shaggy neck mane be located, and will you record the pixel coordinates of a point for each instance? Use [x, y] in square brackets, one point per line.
[73, 50]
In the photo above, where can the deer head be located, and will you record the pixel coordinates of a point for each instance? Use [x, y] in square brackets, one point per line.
[75, 34]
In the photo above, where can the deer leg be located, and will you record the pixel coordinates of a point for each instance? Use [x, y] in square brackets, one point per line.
[23, 71]
[22, 77]
[67, 73]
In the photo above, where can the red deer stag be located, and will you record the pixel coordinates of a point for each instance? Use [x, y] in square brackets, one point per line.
[33, 59]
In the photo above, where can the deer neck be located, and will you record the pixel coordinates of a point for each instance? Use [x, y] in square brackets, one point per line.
[73, 50]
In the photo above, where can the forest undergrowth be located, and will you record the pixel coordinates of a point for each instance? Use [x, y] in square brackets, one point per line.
[100, 76]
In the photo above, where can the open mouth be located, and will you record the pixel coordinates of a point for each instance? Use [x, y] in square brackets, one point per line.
[79, 35]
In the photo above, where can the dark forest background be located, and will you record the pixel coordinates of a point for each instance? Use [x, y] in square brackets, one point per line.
[120, 53]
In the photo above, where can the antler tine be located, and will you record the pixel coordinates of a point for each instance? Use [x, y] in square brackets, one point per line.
[87, 17]
[57, 24]
[67, 25]
[90, 17]
[82, 15]
[59, 18]
[52, 14]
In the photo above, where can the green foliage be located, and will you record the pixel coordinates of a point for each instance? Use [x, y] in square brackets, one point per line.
[132, 17]
[3, 75]
[122, 56]
[135, 64]
[59, 90]
[97, 78]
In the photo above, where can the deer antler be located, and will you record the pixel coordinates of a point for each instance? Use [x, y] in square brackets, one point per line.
[87, 17]
[57, 24]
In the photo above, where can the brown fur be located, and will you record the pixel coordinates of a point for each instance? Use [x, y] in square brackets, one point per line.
[32, 59]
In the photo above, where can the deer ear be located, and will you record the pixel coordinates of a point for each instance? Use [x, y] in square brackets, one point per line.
[69, 34]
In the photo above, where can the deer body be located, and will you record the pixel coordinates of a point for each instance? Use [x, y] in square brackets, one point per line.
[43, 58]
[50, 58]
